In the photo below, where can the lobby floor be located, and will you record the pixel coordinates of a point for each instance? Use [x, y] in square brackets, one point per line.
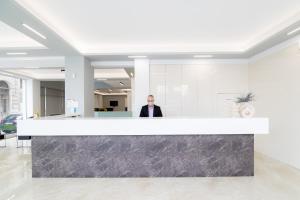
[272, 181]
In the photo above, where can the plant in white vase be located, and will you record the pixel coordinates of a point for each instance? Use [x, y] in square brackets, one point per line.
[246, 109]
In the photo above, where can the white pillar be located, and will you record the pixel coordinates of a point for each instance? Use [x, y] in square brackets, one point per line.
[33, 97]
[129, 101]
[24, 99]
[79, 85]
[141, 84]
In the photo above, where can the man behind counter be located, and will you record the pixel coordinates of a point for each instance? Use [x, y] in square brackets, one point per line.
[150, 110]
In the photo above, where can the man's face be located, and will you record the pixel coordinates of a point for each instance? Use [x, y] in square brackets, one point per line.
[150, 101]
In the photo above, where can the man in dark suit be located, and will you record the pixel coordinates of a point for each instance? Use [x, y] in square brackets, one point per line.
[151, 110]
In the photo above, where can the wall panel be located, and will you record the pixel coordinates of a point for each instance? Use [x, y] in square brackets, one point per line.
[198, 90]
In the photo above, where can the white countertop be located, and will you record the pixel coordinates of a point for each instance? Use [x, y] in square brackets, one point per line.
[61, 126]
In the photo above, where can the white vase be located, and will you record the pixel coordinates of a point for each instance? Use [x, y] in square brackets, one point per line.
[246, 110]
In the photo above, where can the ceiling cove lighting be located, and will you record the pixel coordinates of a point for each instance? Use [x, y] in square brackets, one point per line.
[16, 53]
[203, 56]
[137, 56]
[121, 83]
[293, 31]
[34, 31]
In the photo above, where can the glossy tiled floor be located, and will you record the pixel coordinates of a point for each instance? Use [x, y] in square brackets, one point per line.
[273, 181]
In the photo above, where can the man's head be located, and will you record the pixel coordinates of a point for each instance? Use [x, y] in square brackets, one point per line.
[150, 100]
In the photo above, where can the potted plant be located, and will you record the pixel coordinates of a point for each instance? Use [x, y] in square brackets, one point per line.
[246, 109]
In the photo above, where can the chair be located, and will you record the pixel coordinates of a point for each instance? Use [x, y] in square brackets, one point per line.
[22, 138]
[2, 137]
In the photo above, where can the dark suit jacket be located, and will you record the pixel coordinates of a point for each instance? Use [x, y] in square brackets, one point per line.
[156, 111]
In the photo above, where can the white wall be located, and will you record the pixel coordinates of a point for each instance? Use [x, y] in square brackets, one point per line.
[202, 90]
[275, 80]
[140, 84]
[33, 97]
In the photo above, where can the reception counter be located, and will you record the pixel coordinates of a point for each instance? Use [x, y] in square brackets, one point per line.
[135, 147]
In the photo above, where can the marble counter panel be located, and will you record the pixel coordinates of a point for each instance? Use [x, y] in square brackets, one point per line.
[143, 156]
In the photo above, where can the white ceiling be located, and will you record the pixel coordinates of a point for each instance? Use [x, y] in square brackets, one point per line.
[109, 76]
[11, 38]
[112, 91]
[40, 74]
[115, 83]
[108, 27]
[112, 77]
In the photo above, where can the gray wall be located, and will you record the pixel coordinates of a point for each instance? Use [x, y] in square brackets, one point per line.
[52, 97]
[80, 84]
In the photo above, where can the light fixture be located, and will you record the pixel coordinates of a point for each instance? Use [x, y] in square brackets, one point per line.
[109, 94]
[137, 56]
[34, 31]
[31, 67]
[293, 31]
[15, 53]
[100, 93]
[131, 74]
[203, 56]
[101, 79]
[126, 90]
[121, 83]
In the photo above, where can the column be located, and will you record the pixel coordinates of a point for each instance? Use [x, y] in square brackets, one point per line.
[79, 85]
[140, 89]
[33, 97]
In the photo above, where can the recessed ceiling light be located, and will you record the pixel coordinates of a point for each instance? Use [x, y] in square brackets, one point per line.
[31, 67]
[101, 79]
[121, 83]
[15, 53]
[137, 56]
[293, 31]
[34, 31]
[203, 56]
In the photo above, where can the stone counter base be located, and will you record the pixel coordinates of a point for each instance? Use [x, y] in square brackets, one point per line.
[143, 156]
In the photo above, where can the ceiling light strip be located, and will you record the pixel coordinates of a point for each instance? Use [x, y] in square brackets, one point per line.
[137, 56]
[203, 56]
[294, 31]
[15, 53]
[34, 31]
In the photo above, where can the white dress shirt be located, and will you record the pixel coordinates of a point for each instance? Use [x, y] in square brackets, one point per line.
[150, 110]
